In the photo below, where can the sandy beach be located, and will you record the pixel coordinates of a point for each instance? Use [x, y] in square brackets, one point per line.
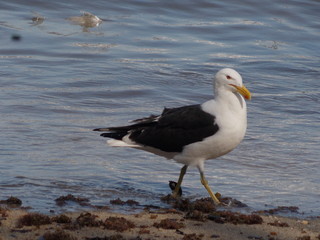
[186, 220]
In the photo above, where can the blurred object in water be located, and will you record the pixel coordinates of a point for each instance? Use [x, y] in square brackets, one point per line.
[15, 37]
[37, 19]
[87, 20]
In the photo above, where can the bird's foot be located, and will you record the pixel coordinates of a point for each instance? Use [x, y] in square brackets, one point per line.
[221, 202]
[175, 193]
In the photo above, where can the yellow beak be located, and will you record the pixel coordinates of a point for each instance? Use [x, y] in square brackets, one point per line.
[243, 91]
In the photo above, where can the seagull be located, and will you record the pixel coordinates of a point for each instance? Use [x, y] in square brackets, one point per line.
[192, 134]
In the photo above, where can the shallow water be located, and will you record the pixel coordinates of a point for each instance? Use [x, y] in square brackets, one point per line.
[59, 80]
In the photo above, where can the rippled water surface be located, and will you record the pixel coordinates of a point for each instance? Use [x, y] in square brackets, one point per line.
[61, 77]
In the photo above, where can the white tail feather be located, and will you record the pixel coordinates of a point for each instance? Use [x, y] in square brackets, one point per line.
[119, 143]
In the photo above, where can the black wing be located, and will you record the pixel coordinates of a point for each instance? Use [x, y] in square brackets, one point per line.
[175, 128]
[169, 132]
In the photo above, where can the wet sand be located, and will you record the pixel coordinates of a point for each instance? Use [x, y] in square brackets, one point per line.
[185, 220]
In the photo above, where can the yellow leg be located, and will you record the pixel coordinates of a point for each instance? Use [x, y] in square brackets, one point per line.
[182, 173]
[205, 184]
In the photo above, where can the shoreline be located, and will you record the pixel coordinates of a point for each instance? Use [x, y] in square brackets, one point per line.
[197, 220]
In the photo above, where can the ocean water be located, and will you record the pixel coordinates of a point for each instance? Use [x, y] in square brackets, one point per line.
[61, 77]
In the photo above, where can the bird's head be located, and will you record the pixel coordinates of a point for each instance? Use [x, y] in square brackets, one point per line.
[232, 81]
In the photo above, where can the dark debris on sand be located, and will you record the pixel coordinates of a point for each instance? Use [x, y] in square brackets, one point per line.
[169, 224]
[118, 224]
[280, 209]
[33, 219]
[63, 219]
[192, 236]
[58, 234]
[304, 238]
[113, 237]
[62, 200]
[235, 218]
[196, 215]
[129, 202]
[88, 220]
[82, 201]
[3, 212]
[12, 202]
[277, 223]
[204, 208]
[204, 205]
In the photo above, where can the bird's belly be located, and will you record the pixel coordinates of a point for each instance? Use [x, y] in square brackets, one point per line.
[209, 148]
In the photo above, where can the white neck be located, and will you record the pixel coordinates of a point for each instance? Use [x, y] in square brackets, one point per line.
[232, 100]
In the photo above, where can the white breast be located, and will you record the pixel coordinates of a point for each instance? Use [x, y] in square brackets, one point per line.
[231, 118]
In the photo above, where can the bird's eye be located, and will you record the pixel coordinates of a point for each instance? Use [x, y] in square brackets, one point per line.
[228, 77]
